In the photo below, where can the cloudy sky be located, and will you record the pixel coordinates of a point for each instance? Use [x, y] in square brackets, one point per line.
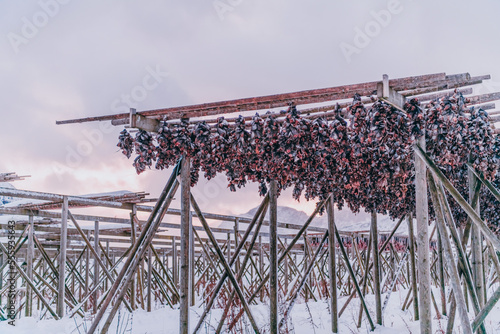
[63, 59]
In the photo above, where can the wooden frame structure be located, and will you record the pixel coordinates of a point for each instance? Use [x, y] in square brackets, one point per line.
[235, 272]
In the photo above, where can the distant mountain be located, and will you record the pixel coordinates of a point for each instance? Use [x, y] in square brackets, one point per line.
[345, 219]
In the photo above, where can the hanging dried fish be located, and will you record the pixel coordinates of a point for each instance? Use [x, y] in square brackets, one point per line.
[364, 162]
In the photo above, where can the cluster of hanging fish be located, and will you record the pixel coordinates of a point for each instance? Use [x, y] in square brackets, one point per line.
[365, 161]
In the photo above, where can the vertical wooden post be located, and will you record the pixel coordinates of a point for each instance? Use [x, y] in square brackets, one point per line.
[423, 263]
[184, 241]
[261, 266]
[29, 268]
[80, 286]
[332, 270]
[228, 249]
[450, 260]
[133, 235]
[96, 264]
[175, 270]
[106, 281]
[73, 275]
[411, 241]
[476, 244]
[376, 268]
[273, 257]
[442, 287]
[304, 262]
[236, 226]
[87, 273]
[150, 270]
[191, 261]
[286, 272]
[62, 259]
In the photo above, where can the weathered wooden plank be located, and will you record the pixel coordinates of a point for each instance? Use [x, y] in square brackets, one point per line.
[184, 245]
[332, 268]
[62, 259]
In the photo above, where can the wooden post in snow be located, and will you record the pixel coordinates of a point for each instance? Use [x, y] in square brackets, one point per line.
[87, 273]
[29, 268]
[450, 259]
[476, 243]
[184, 241]
[423, 263]
[376, 268]
[332, 270]
[133, 232]
[422, 213]
[150, 270]
[96, 265]
[62, 259]
[273, 257]
[261, 266]
[440, 269]
[175, 270]
[191, 262]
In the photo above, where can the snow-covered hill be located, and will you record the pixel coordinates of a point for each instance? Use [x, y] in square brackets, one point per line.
[345, 219]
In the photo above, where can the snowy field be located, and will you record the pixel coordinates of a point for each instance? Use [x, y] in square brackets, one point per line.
[313, 318]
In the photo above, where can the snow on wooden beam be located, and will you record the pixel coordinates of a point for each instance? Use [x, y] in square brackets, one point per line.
[56, 197]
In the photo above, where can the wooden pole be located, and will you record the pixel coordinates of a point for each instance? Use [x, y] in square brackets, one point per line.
[476, 243]
[132, 262]
[225, 264]
[486, 309]
[191, 261]
[150, 270]
[365, 277]
[260, 212]
[184, 241]
[273, 256]
[242, 267]
[494, 191]
[261, 265]
[450, 260]
[175, 271]
[353, 276]
[87, 273]
[285, 272]
[376, 269]
[62, 259]
[462, 257]
[236, 227]
[451, 316]
[29, 267]
[32, 285]
[423, 263]
[442, 288]
[228, 248]
[476, 219]
[303, 280]
[96, 266]
[133, 233]
[332, 269]
[107, 266]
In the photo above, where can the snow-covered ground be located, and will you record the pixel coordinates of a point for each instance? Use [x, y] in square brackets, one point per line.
[310, 318]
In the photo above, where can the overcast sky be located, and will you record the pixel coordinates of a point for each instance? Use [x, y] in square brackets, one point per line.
[68, 59]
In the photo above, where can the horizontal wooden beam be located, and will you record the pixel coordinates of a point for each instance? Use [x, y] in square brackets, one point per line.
[281, 100]
[56, 197]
